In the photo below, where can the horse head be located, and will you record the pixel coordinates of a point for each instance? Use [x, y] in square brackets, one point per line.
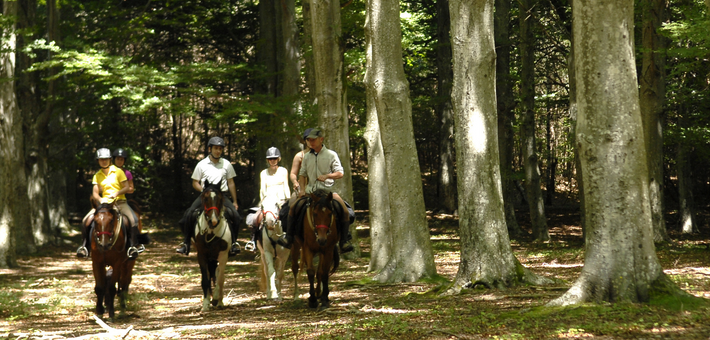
[270, 208]
[105, 229]
[323, 215]
[212, 200]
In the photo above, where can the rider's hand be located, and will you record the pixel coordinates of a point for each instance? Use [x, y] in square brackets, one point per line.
[322, 178]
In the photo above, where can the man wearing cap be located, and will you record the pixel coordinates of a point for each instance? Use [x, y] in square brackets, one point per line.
[215, 169]
[319, 170]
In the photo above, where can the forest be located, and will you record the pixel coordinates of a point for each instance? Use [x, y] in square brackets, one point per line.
[473, 135]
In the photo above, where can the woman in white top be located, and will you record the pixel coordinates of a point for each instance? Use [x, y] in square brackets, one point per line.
[274, 179]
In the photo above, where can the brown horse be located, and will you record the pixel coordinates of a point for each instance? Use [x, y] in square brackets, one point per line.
[212, 238]
[108, 249]
[319, 237]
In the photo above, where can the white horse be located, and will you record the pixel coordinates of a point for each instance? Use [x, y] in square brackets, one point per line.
[273, 256]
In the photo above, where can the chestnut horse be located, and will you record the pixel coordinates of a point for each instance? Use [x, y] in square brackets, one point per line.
[108, 249]
[212, 238]
[273, 256]
[318, 237]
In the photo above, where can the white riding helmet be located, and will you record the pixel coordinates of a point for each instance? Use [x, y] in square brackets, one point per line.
[103, 153]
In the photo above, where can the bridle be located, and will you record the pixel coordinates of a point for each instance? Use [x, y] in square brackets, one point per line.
[116, 229]
[320, 226]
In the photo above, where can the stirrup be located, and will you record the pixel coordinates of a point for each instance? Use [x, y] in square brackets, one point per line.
[184, 249]
[132, 252]
[283, 241]
[141, 248]
[235, 249]
[250, 246]
[82, 252]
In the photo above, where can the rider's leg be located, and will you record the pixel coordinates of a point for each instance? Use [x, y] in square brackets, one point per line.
[84, 248]
[186, 224]
[253, 223]
[287, 238]
[134, 232]
[233, 215]
[344, 225]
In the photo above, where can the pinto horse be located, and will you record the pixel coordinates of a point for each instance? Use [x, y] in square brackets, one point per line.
[319, 237]
[108, 249]
[212, 238]
[273, 256]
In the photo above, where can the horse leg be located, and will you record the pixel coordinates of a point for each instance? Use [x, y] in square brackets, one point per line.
[100, 287]
[219, 284]
[262, 269]
[323, 273]
[123, 282]
[295, 258]
[281, 258]
[111, 291]
[270, 272]
[308, 259]
[206, 282]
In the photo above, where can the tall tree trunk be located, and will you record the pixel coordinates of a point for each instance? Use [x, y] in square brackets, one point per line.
[573, 115]
[620, 257]
[307, 47]
[291, 79]
[36, 133]
[13, 184]
[330, 92]
[447, 179]
[378, 193]
[486, 255]
[506, 115]
[412, 255]
[58, 215]
[527, 94]
[653, 93]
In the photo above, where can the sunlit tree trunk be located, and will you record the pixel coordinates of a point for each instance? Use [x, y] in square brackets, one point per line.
[486, 255]
[687, 219]
[527, 101]
[330, 93]
[573, 115]
[378, 193]
[447, 179]
[291, 69]
[620, 258]
[13, 184]
[412, 255]
[36, 135]
[506, 115]
[652, 91]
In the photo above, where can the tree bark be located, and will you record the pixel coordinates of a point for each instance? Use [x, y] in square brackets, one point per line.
[378, 193]
[620, 258]
[486, 255]
[13, 184]
[687, 222]
[330, 93]
[412, 255]
[447, 179]
[527, 100]
[653, 93]
[506, 115]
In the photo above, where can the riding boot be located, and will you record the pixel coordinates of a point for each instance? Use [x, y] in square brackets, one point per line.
[345, 236]
[132, 250]
[286, 239]
[251, 245]
[84, 248]
[185, 246]
[235, 248]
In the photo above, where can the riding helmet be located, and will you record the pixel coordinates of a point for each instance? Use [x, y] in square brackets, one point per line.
[103, 153]
[120, 153]
[273, 152]
[216, 141]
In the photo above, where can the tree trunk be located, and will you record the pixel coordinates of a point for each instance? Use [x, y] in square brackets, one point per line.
[330, 93]
[573, 114]
[13, 184]
[620, 258]
[506, 115]
[486, 255]
[412, 255]
[447, 179]
[58, 215]
[527, 100]
[687, 222]
[378, 193]
[653, 93]
[35, 135]
[307, 47]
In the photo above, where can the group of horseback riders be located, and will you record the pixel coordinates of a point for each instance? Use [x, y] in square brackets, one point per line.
[314, 167]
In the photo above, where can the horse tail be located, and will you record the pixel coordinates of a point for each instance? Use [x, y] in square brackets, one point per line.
[336, 260]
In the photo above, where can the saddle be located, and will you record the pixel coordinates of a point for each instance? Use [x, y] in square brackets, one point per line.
[301, 206]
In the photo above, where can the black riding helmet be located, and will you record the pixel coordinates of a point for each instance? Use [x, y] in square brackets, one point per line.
[273, 152]
[120, 153]
[215, 141]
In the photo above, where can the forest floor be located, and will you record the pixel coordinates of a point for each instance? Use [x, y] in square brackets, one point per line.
[50, 296]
